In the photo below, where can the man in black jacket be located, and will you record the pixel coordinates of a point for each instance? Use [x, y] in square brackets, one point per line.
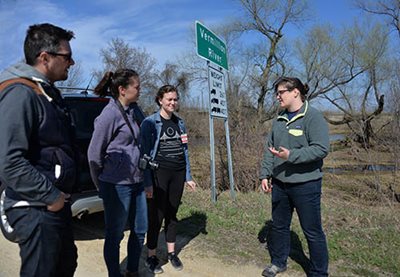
[37, 160]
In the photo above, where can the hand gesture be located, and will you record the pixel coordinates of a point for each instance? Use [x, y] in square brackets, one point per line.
[282, 152]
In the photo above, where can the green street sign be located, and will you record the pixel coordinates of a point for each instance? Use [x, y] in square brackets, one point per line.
[210, 47]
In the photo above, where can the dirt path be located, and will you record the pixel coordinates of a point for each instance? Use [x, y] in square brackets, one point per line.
[89, 240]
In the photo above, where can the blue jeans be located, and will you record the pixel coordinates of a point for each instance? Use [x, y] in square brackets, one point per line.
[46, 241]
[306, 199]
[122, 204]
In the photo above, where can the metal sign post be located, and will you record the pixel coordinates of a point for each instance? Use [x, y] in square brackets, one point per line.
[213, 49]
[218, 109]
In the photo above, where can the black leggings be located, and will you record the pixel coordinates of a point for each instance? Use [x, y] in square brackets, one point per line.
[167, 194]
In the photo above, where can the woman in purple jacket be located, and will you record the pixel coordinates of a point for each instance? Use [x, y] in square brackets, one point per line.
[113, 156]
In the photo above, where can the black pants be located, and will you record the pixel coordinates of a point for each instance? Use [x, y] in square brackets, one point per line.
[46, 244]
[167, 195]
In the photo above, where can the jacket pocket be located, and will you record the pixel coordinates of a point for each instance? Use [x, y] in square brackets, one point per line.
[64, 171]
[59, 167]
[113, 161]
[24, 221]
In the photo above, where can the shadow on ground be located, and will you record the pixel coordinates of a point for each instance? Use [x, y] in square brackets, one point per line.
[89, 227]
[188, 228]
[296, 249]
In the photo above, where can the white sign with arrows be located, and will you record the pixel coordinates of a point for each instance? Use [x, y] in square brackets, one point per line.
[218, 105]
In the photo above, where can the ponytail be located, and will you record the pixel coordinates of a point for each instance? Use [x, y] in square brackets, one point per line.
[109, 84]
[103, 87]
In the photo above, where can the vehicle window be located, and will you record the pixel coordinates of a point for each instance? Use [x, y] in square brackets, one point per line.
[84, 111]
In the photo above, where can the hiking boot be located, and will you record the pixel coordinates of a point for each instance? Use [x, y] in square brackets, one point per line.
[153, 265]
[175, 261]
[272, 270]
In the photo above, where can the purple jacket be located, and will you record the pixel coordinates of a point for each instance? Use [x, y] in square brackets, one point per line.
[113, 154]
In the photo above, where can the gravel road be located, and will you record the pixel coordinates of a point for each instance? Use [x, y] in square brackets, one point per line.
[89, 240]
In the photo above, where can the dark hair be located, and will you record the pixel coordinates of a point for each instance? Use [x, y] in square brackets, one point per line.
[43, 37]
[163, 90]
[291, 83]
[110, 82]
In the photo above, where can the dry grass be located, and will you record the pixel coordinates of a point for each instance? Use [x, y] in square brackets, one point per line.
[359, 208]
[362, 235]
[348, 153]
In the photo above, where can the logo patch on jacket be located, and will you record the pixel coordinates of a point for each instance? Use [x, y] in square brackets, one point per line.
[296, 132]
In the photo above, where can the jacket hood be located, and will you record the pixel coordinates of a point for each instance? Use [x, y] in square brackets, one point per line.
[22, 70]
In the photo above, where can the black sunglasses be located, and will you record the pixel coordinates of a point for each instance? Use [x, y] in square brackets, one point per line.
[67, 56]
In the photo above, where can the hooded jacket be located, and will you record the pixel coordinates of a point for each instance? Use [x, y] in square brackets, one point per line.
[113, 153]
[37, 157]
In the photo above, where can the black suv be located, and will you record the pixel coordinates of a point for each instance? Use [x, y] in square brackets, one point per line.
[84, 109]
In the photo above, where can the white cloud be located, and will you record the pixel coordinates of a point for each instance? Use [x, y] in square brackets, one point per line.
[15, 18]
[162, 27]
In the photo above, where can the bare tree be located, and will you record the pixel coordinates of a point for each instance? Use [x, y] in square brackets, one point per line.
[173, 74]
[349, 70]
[119, 54]
[196, 70]
[395, 97]
[238, 80]
[268, 18]
[387, 8]
[330, 58]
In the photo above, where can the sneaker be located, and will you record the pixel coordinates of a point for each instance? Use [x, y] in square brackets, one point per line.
[175, 261]
[153, 265]
[272, 270]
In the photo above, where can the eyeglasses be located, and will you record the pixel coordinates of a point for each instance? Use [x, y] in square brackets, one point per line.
[280, 92]
[66, 56]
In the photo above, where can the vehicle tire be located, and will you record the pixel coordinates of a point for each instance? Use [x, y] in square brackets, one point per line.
[5, 227]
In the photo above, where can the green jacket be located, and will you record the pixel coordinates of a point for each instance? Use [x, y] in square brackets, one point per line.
[306, 135]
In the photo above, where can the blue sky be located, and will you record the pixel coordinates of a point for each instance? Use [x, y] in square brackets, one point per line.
[163, 27]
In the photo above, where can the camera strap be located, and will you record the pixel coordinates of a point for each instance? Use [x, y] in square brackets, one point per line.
[121, 109]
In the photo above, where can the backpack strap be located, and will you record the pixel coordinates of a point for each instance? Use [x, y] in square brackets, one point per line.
[30, 83]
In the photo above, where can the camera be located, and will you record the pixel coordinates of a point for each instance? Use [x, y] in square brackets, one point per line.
[146, 162]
